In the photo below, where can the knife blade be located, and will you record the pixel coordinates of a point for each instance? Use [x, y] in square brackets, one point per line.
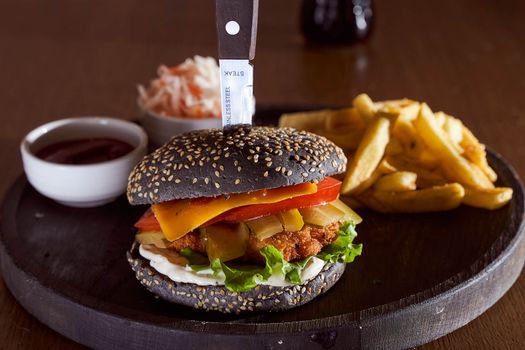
[236, 32]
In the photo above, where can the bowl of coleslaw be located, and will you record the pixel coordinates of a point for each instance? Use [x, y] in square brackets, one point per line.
[182, 98]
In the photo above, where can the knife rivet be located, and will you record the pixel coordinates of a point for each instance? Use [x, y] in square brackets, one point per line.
[232, 28]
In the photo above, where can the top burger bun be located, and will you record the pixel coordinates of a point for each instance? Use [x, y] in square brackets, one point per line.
[209, 163]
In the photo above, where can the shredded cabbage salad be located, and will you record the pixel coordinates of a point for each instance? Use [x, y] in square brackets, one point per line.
[189, 90]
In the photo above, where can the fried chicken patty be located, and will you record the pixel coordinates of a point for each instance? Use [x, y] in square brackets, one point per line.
[295, 245]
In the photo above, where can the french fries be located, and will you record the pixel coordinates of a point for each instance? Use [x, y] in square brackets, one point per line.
[405, 158]
[305, 120]
[365, 106]
[383, 168]
[345, 127]
[455, 166]
[368, 155]
[400, 181]
[493, 198]
[475, 152]
[438, 198]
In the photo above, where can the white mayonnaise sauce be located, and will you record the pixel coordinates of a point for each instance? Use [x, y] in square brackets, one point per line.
[185, 274]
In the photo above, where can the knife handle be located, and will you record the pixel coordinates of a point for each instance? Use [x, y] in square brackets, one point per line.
[237, 28]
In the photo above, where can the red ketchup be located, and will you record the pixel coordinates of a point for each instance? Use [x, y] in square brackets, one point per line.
[84, 151]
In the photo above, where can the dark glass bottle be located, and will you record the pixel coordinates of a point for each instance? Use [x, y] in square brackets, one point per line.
[336, 21]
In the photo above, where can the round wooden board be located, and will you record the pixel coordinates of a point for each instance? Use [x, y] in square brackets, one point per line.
[420, 277]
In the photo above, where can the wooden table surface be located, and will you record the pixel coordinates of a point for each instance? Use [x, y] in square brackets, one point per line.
[71, 58]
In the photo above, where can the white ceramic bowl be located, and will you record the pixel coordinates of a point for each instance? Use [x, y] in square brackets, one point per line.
[82, 185]
[161, 128]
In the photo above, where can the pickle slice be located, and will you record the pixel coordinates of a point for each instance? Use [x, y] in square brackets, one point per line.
[265, 227]
[321, 215]
[349, 213]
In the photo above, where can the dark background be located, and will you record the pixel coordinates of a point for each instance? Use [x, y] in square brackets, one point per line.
[84, 57]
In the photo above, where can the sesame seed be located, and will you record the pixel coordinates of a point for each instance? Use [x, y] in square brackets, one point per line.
[217, 185]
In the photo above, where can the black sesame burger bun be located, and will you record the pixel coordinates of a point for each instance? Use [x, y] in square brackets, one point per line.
[262, 298]
[213, 162]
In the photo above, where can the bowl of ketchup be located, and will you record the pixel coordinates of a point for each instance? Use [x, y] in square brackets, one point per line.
[82, 162]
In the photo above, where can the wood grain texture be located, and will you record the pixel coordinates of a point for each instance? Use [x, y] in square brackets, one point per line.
[78, 58]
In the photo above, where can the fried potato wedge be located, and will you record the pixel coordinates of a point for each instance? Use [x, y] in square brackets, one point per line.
[365, 106]
[475, 152]
[343, 121]
[493, 198]
[455, 167]
[454, 129]
[399, 181]
[383, 168]
[430, 176]
[349, 141]
[344, 127]
[394, 147]
[440, 198]
[305, 120]
[368, 155]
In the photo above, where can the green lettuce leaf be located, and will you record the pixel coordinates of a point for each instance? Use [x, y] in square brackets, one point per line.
[342, 249]
[276, 262]
[197, 262]
[240, 278]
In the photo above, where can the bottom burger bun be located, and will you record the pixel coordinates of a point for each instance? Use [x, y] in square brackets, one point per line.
[263, 298]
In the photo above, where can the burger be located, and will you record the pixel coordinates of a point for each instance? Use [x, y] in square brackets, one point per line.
[241, 219]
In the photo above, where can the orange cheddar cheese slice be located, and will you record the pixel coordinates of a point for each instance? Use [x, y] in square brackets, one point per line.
[177, 218]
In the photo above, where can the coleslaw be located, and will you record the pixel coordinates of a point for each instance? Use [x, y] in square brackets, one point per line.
[189, 90]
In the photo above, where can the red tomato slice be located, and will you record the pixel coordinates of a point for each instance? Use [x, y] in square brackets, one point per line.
[148, 222]
[327, 191]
